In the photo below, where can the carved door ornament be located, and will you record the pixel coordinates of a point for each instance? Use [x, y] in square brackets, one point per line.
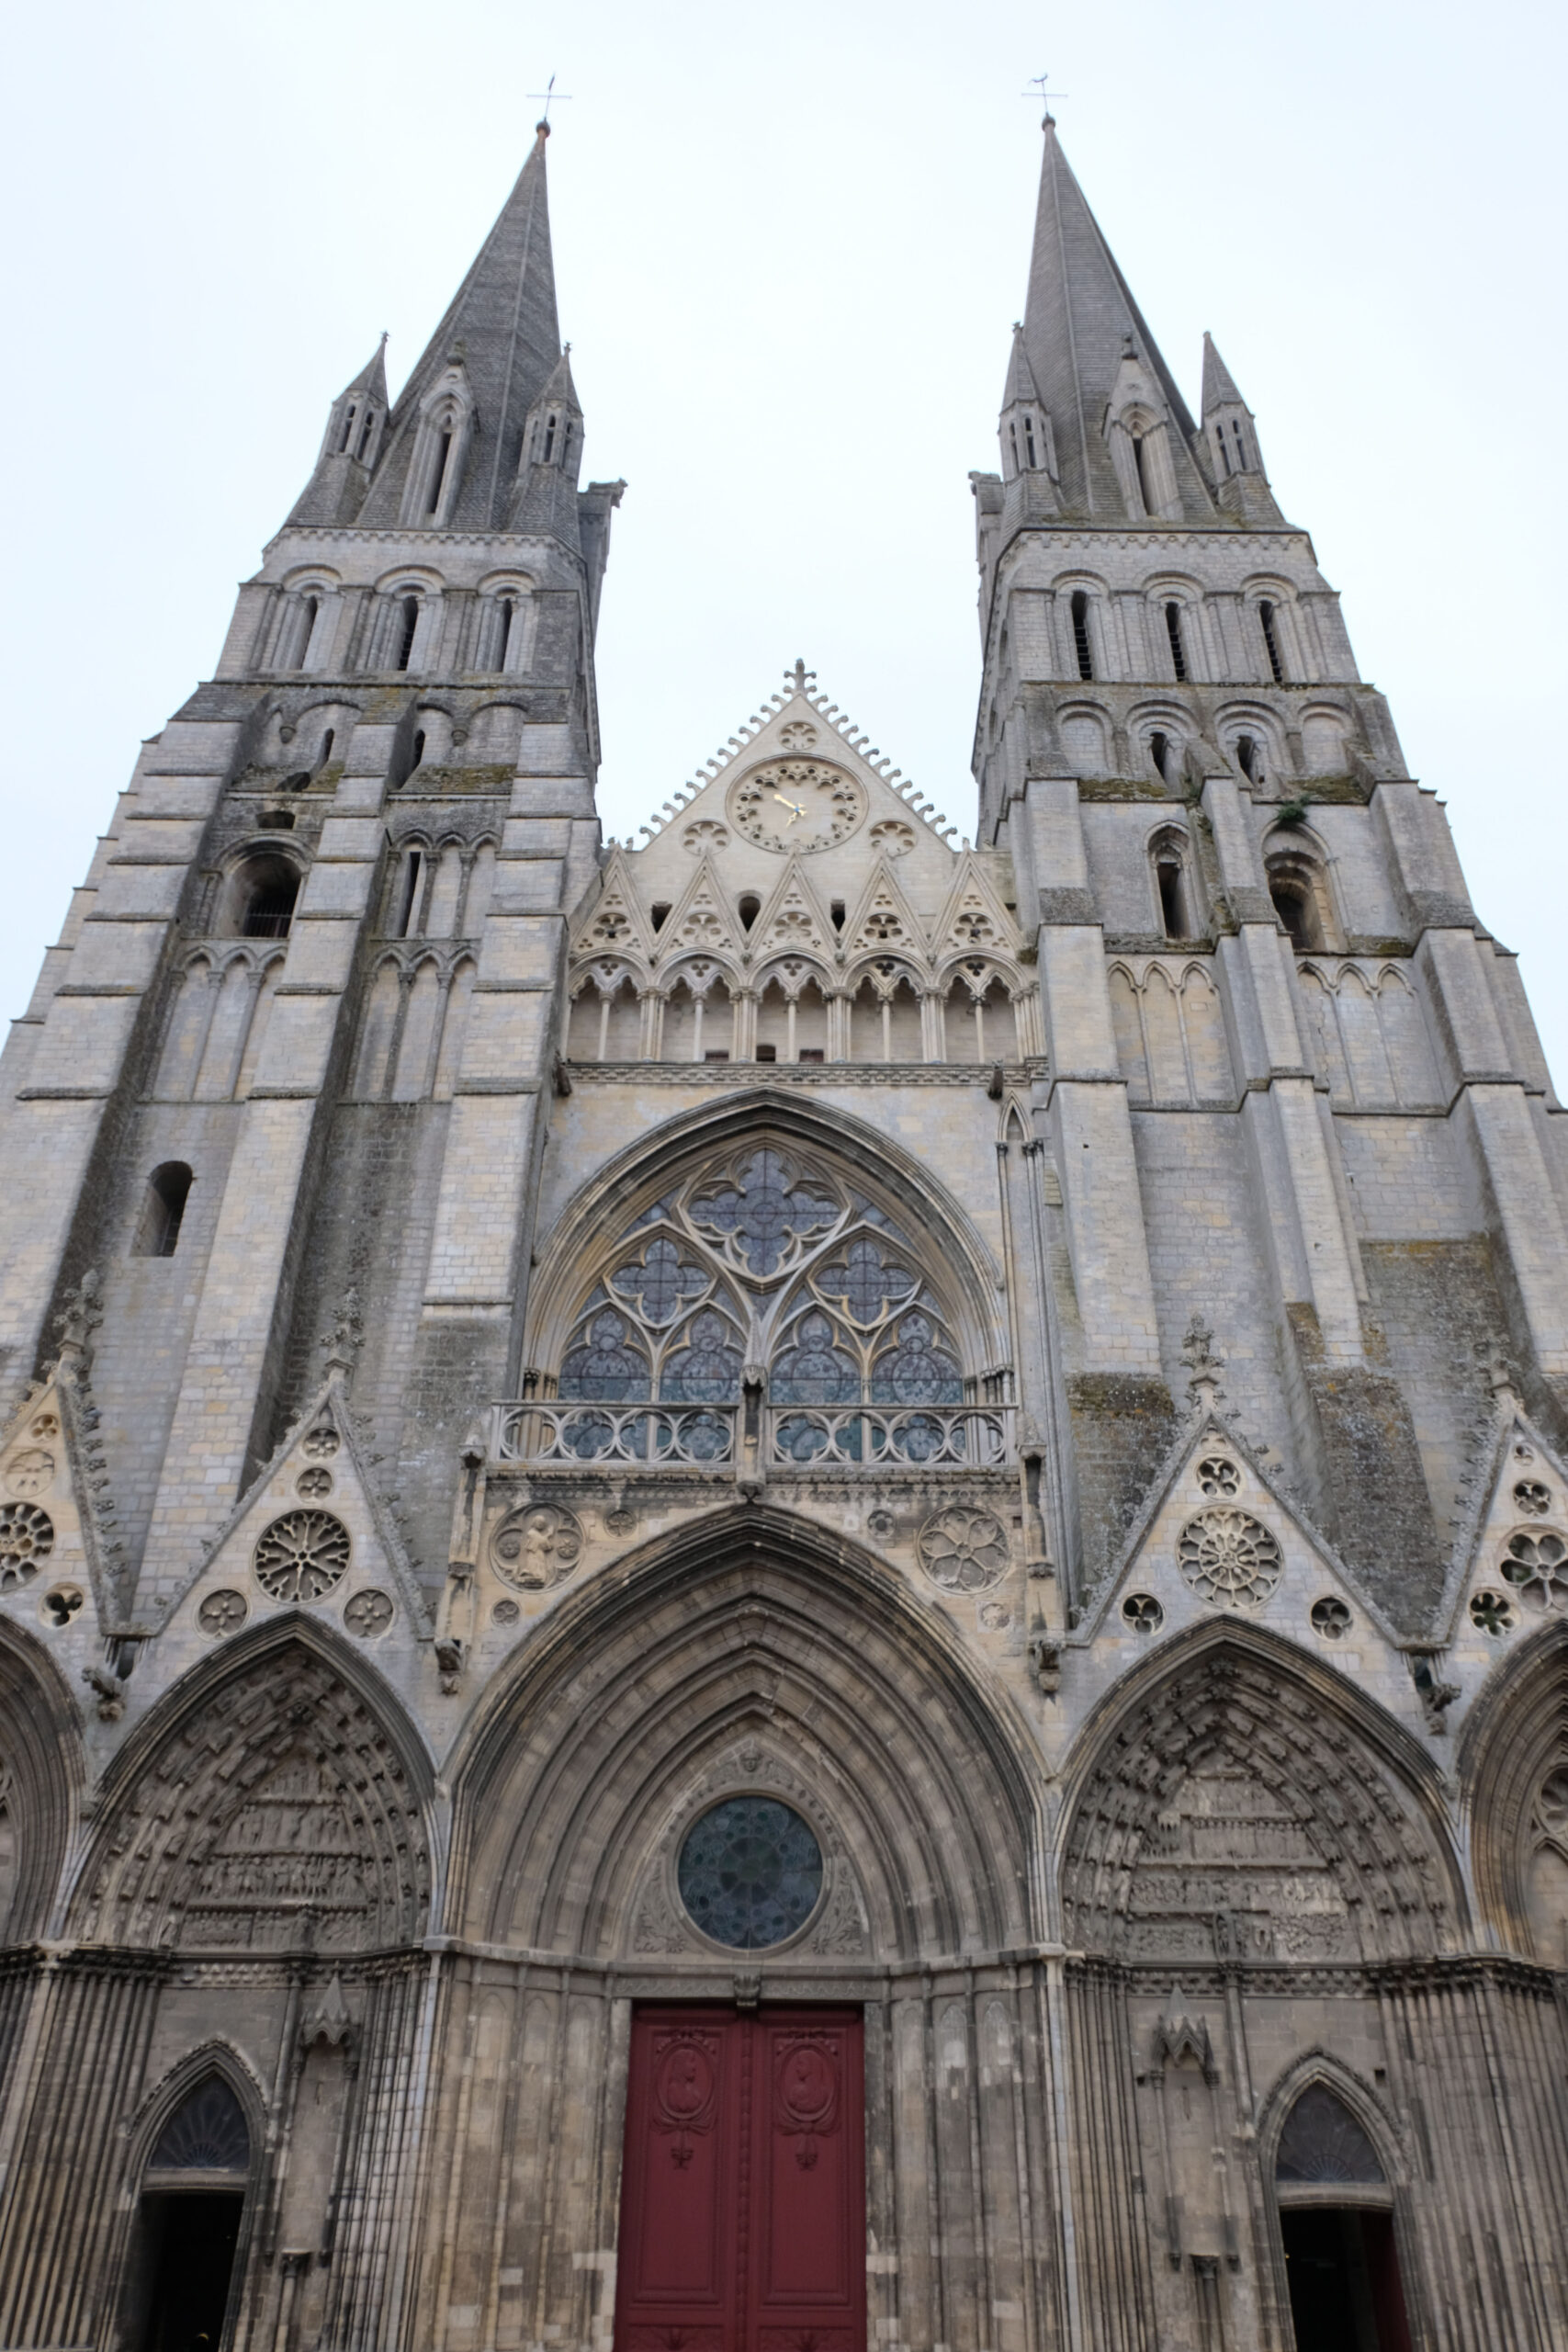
[806, 2094]
[686, 2091]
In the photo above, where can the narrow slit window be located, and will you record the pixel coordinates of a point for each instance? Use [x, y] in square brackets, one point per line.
[1240, 449]
[1012, 431]
[1173, 631]
[1141, 460]
[328, 740]
[413, 874]
[438, 471]
[1029, 441]
[418, 749]
[365, 432]
[1160, 749]
[1081, 645]
[1248, 758]
[659, 913]
[505, 610]
[168, 1188]
[1220, 445]
[550, 439]
[836, 914]
[408, 623]
[350, 417]
[1172, 884]
[1271, 641]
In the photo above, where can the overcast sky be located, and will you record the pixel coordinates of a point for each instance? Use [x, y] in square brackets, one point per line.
[789, 247]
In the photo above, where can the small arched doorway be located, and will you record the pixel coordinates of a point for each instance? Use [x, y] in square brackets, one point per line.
[1337, 2221]
[180, 2288]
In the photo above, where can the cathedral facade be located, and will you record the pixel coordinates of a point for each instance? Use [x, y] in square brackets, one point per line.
[801, 1588]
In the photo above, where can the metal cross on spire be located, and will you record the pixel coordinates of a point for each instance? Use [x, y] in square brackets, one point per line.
[1037, 89]
[548, 98]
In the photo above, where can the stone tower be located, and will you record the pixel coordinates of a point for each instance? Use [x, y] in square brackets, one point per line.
[799, 1585]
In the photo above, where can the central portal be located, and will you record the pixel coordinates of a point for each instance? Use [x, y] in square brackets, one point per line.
[743, 2191]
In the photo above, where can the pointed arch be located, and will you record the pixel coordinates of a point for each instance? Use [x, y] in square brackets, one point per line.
[961, 1267]
[1513, 1765]
[1233, 1725]
[1319, 2069]
[197, 1843]
[161, 2103]
[753, 1649]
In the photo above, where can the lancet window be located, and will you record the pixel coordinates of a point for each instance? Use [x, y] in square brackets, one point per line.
[768, 1260]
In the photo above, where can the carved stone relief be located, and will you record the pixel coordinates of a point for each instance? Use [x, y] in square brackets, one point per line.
[279, 1813]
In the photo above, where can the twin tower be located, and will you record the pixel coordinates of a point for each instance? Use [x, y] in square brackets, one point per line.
[802, 1586]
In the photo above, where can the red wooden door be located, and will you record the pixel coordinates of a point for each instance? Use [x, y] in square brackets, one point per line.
[743, 2193]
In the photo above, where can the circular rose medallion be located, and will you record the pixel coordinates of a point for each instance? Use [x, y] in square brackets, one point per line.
[750, 1872]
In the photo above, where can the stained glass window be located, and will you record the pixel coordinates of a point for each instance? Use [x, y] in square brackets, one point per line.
[750, 1872]
[1321, 2141]
[206, 2134]
[766, 1258]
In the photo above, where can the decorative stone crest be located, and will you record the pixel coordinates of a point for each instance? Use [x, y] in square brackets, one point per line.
[1229, 1558]
[536, 1548]
[26, 1538]
[224, 1611]
[31, 1472]
[963, 1550]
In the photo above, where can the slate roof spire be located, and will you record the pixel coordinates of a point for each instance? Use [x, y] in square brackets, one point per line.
[1079, 325]
[501, 328]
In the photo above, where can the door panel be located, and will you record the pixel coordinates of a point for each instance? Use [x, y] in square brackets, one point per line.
[743, 2194]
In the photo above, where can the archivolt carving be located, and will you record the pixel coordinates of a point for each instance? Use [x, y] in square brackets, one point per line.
[1515, 1758]
[1236, 1808]
[275, 1811]
[41, 1767]
[746, 1653]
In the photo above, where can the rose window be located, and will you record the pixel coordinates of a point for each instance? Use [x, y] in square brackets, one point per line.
[1532, 1498]
[1143, 1613]
[964, 1551]
[750, 1872]
[26, 1538]
[301, 1556]
[1229, 1558]
[1331, 1618]
[1537, 1566]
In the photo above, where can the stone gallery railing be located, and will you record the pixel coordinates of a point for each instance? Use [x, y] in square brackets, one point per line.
[790, 1437]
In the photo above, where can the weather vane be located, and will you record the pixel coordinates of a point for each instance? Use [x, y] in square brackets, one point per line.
[1037, 89]
[548, 98]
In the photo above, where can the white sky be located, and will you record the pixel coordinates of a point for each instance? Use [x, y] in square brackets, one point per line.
[789, 247]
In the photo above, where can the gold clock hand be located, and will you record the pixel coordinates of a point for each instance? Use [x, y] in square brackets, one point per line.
[795, 807]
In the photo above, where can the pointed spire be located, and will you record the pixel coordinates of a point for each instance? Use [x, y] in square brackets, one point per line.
[349, 446]
[1230, 448]
[1021, 386]
[502, 327]
[1219, 384]
[1079, 325]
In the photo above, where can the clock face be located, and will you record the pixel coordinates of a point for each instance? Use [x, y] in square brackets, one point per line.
[797, 804]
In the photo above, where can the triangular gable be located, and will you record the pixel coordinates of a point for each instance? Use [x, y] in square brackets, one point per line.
[1218, 1537]
[356, 1562]
[974, 920]
[884, 923]
[1510, 1567]
[802, 723]
[615, 923]
[56, 1524]
[791, 919]
[702, 921]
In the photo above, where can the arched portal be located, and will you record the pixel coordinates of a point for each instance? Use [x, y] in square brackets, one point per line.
[750, 1679]
[1514, 1766]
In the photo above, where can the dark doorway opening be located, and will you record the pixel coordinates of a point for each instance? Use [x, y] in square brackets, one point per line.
[186, 2268]
[1343, 2277]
